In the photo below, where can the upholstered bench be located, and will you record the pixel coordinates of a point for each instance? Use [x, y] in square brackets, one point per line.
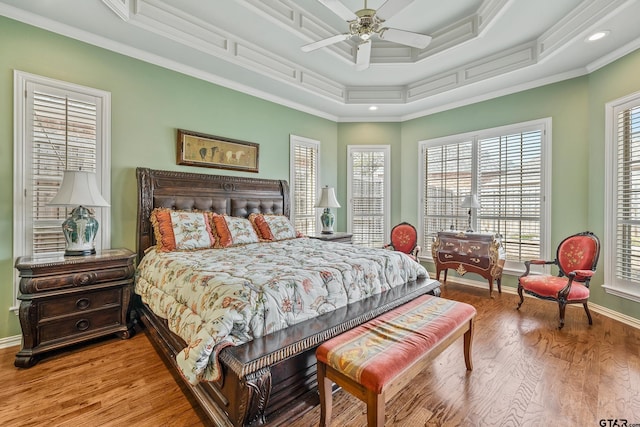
[375, 360]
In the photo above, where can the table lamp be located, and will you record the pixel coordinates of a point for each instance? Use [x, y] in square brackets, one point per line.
[79, 189]
[327, 201]
[471, 202]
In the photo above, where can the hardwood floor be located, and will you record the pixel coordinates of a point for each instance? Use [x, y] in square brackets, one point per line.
[526, 372]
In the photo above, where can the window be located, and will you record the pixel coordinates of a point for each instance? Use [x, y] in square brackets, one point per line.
[58, 126]
[304, 183]
[368, 192]
[622, 215]
[507, 169]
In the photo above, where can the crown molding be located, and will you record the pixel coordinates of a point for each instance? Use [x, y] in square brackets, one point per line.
[119, 7]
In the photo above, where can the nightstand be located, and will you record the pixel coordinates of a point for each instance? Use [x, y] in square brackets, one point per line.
[337, 236]
[68, 300]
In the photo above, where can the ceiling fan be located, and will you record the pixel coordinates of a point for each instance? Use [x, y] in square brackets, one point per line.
[366, 23]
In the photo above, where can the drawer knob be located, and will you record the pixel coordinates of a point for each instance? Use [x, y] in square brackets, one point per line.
[83, 303]
[84, 279]
[82, 325]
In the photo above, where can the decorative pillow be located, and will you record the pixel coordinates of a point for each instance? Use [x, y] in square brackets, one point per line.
[273, 227]
[182, 230]
[232, 230]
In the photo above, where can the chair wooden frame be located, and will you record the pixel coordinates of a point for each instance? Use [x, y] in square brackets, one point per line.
[579, 276]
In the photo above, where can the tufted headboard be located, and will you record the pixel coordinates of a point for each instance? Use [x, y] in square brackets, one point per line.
[235, 196]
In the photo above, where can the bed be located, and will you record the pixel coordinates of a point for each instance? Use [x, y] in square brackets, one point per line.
[270, 378]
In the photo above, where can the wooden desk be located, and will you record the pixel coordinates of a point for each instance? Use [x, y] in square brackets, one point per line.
[478, 253]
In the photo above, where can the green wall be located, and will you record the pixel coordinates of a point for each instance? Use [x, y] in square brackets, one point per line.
[148, 103]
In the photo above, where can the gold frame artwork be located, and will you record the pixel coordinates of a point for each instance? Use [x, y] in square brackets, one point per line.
[199, 149]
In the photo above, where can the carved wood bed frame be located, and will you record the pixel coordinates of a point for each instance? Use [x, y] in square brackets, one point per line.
[273, 378]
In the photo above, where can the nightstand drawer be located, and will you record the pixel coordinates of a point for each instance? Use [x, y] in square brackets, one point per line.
[79, 302]
[83, 323]
[80, 278]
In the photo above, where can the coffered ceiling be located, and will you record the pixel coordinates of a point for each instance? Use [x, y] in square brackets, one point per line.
[480, 49]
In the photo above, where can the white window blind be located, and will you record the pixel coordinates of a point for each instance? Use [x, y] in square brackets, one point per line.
[510, 191]
[506, 169]
[58, 126]
[448, 170]
[368, 195]
[627, 230]
[304, 184]
[63, 137]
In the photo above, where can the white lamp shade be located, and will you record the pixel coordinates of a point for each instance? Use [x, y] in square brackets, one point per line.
[327, 198]
[79, 188]
[470, 201]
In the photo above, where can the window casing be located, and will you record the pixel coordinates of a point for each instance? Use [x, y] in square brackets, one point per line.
[303, 179]
[368, 194]
[57, 126]
[508, 169]
[622, 198]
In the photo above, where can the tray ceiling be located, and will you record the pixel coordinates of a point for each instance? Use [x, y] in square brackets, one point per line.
[480, 49]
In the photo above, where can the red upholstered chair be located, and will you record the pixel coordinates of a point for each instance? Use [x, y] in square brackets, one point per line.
[404, 238]
[576, 259]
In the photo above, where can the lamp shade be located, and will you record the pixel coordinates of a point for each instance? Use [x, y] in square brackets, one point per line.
[470, 201]
[327, 198]
[78, 188]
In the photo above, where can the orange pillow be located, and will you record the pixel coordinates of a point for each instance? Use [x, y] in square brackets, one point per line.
[182, 230]
[273, 227]
[232, 231]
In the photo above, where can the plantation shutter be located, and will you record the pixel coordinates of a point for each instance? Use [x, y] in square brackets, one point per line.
[305, 186]
[449, 177]
[627, 227]
[510, 191]
[368, 198]
[62, 131]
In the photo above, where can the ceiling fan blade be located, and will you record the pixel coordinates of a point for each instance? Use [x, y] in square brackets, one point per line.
[325, 42]
[339, 9]
[408, 38]
[391, 7]
[363, 56]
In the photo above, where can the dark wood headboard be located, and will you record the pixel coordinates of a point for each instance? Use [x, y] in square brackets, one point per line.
[231, 195]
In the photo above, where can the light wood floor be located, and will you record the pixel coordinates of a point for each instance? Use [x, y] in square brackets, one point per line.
[526, 372]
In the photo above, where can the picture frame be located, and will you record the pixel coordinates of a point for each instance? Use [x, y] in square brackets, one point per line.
[209, 151]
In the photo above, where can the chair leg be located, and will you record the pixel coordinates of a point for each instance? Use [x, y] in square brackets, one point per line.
[562, 306]
[586, 309]
[521, 296]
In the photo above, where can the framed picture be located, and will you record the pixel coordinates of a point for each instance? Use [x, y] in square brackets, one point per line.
[199, 149]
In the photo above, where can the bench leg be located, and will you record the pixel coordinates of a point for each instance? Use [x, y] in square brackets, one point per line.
[468, 337]
[375, 409]
[325, 386]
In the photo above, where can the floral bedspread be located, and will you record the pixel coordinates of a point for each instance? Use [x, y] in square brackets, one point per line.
[218, 297]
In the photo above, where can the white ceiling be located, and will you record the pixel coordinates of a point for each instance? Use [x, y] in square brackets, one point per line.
[480, 49]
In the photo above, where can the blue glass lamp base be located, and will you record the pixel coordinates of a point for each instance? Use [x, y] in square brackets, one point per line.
[327, 220]
[80, 231]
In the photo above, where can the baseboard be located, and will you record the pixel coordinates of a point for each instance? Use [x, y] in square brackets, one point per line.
[622, 318]
[10, 341]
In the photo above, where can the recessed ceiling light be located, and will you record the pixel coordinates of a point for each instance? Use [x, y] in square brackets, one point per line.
[373, 108]
[598, 35]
